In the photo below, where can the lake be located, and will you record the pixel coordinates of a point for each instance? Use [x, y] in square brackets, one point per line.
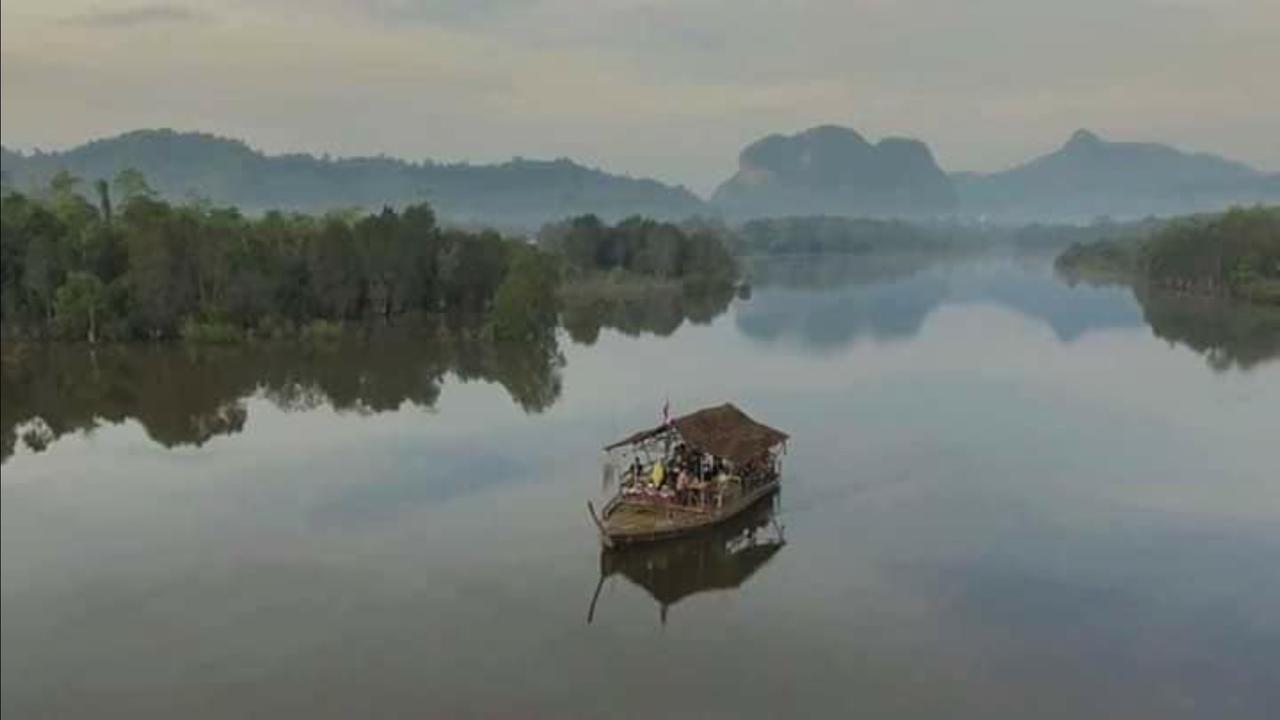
[1004, 497]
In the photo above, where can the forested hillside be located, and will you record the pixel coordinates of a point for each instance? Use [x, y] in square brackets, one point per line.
[519, 193]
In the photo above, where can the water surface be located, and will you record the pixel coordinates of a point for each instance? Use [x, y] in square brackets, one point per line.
[1004, 497]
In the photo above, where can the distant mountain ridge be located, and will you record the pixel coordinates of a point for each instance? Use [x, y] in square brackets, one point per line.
[1090, 177]
[832, 170]
[826, 170]
[519, 192]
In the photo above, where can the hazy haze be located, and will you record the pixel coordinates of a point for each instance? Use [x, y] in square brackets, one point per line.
[671, 89]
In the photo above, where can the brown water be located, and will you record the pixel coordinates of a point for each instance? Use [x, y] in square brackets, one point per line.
[1004, 498]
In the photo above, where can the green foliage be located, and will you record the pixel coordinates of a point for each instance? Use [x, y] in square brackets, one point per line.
[151, 269]
[640, 246]
[210, 332]
[1101, 262]
[1236, 254]
[471, 266]
[333, 264]
[525, 306]
[77, 305]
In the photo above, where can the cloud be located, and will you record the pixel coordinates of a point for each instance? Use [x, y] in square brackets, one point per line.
[664, 88]
[137, 16]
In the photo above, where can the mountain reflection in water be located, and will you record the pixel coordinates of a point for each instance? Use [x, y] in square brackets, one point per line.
[720, 558]
[828, 303]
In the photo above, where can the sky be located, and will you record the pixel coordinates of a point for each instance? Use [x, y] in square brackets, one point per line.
[670, 89]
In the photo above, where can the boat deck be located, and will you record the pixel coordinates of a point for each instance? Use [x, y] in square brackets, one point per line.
[640, 518]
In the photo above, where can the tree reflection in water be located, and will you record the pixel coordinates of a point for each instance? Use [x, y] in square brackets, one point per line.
[1229, 334]
[186, 395]
[659, 311]
[720, 558]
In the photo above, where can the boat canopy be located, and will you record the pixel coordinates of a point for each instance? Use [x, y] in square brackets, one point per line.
[723, 431]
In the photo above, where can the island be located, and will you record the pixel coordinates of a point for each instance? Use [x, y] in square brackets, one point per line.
[1233, 255]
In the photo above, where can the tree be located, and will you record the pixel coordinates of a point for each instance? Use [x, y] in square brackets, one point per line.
[70, 206]
[155, 276]
[378, 237]
[524, 306]
[77, 305]
[333, 265]
[14, 211]
[44, 262]
[216, 234]
[130, 184]
[471, 269]
[641, 246]
[419, 251]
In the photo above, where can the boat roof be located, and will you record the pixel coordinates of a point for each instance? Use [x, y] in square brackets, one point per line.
[722, 430]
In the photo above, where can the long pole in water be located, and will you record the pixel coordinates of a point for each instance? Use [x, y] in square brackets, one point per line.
[591, 611]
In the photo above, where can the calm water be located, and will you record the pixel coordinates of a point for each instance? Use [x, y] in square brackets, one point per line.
[1004, 498]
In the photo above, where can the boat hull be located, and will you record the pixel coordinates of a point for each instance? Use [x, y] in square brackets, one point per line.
[622, 523]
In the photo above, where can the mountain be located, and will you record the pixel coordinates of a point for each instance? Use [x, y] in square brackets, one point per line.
[831, 170]
[523, 193]
[1090, 177]
[826, 170]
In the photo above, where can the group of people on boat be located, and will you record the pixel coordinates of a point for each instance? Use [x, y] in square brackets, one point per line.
[684, 476]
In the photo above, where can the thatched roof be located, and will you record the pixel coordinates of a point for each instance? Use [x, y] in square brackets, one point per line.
[723, 430]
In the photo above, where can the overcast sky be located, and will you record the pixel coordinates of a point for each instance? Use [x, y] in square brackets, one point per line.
[670, 89]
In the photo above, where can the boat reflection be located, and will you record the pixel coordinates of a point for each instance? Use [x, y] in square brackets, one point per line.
[721, 558]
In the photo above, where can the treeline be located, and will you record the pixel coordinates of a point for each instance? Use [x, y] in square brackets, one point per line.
[641, 247]
[1234, 254]
[828, 234]
[1037, 237]
[128, 265]
[820, 234]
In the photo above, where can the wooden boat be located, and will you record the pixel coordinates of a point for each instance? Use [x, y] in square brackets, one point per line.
[730, 461]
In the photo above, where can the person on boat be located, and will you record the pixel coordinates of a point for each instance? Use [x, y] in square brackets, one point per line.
[659, 474]
[697, 492]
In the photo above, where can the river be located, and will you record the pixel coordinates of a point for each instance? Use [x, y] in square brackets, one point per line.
[1004, 497]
